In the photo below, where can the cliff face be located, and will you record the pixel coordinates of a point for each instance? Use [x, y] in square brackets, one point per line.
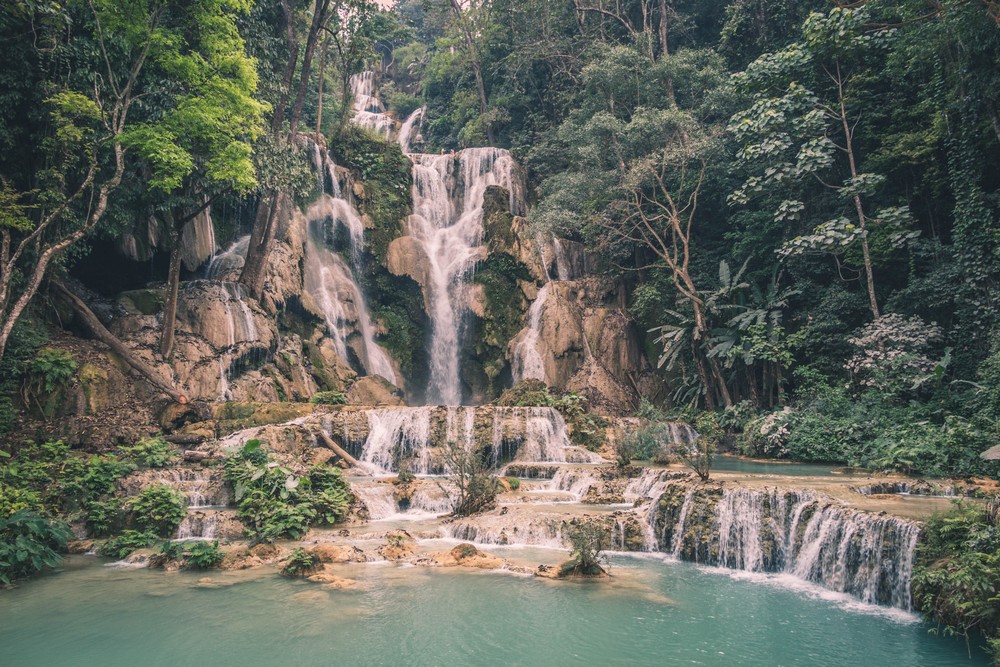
[449, 297]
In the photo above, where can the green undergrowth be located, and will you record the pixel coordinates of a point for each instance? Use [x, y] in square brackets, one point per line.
[956, 581]
[274, 502]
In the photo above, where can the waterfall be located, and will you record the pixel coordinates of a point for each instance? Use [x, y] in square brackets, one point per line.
[447, 218]
[368, 110]
[201, 487]
[528, 363]
[800, 533]
[461, 429]
[398, 434]
[535, 435]
[510, 528]
[378, 499]
[241, 327]
[406, 131]
[575, 481]
[199, 525]
[329, 279]
[229, 259]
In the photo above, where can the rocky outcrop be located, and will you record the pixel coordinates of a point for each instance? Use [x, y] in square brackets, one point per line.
[373, 390]
[585, 341]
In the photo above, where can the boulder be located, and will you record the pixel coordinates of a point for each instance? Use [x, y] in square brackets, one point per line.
[374, 390]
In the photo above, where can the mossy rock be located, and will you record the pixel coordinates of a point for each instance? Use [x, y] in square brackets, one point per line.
[234, 416]
[143, 301]
[94, 386]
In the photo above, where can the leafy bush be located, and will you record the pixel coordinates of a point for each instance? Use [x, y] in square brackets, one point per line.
[158, 509]
[867, 431]
[891, 353]
[46, 375]
[104, 517]
[123, 545]
[195, 554]
[273, 503]
[14, 499]
[153, 452]
[957, 574]
[329, 494]
[301, 564]
[29, 543]
[514, 483]
[329, 398]
[49, 371]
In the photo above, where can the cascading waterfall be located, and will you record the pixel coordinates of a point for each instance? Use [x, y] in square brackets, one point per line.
[228, 260]
[574, 481]
[810, 537]
[447, 221]
[368, 110]
[528, 363]
[398, 434]
[406, 135]
[535, 435]
[330, 280]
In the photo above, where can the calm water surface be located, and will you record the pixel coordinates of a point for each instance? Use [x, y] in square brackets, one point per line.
[655, 613]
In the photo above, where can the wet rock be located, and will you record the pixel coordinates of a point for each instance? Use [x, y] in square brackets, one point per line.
[333, 553]
[374, 390]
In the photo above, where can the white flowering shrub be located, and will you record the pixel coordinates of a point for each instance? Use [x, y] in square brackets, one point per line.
[892, 353]
[768, 434]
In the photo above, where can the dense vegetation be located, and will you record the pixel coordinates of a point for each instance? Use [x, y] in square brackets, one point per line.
[802, 199]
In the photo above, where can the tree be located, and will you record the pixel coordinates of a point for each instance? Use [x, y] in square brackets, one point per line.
[89, 120]
[273, 198]
[475, 487]
[803, 115]
[588, 541]
[198, 145]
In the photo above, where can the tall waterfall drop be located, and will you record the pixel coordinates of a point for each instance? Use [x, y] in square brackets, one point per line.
[447, 222]
[330, 280]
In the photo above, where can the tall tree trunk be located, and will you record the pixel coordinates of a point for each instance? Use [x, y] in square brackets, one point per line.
[862, 218]
[320, 15]
[173, 289]
[262, 234]
[319, 92]
[664, 18]
[255, 266]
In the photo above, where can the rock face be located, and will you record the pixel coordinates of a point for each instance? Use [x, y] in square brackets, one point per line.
[582, 339]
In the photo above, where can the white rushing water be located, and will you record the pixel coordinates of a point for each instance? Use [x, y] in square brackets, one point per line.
[368, 110]
[527, 363]
[447, 222]
[228, 260]
[398, 435]
[330, 280]
[406, 131]
[868, 556]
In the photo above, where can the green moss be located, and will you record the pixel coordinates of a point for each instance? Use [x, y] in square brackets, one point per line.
[503, 312]
[383, 173]
[143, 301]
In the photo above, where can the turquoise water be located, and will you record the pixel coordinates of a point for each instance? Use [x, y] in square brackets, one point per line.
[654, 613]
[726, 463]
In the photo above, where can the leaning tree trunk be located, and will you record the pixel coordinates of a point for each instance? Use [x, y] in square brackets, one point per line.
[100, 332]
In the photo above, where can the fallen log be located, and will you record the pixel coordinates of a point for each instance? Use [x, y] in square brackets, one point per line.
[195, 455]
[102, 334]
[337, 449]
